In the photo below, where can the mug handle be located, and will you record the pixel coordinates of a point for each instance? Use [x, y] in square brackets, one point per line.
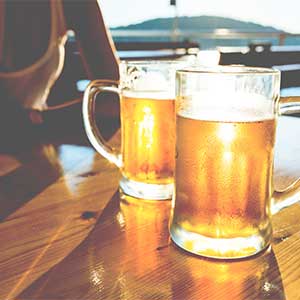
[88, 110]
[291, 194]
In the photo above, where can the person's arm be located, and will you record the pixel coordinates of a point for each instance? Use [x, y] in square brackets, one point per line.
[95, 43]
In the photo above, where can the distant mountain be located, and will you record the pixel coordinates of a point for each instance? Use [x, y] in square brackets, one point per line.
[201, 23]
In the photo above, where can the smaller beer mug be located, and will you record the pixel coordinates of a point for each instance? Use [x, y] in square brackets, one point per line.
[147, 108]
[225, 133]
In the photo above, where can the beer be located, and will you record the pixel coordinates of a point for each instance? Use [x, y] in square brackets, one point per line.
[148, 137]
[223, 182]
[147, 107]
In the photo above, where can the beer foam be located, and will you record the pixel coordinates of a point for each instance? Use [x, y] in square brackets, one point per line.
[236, 107]
[156, 95]
[151, 81]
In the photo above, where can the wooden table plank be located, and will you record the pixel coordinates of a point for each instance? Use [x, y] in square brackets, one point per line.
[129, 256]
[48, 227]
[126, 252]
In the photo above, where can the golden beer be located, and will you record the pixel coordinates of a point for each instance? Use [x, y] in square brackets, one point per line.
[223, 183]
[147, 156]
[148, 139]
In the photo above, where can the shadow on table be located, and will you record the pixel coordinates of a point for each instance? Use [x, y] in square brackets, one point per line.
[35, 171]
[31, 156]
[129, 255]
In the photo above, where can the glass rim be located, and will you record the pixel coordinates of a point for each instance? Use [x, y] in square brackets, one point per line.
[228, 70]
[151, 62]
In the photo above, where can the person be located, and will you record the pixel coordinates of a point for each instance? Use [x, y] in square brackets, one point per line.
[33, 36]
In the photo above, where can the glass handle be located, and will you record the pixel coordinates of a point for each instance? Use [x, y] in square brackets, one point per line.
[290, 195]
[89, 120]
[289, 105]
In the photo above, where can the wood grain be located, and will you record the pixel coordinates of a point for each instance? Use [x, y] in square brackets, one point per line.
[129, 256]
[53, 222]
[78, 238]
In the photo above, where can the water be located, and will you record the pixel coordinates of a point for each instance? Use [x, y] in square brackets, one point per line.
[212, 43]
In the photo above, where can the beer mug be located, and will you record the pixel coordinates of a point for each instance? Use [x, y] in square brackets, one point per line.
[225, 132]
[146, 159]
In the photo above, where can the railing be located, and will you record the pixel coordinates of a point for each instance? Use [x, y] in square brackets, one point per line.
[221, 33]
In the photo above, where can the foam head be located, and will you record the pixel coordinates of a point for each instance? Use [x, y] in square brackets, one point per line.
[151, 85]
[228, 107]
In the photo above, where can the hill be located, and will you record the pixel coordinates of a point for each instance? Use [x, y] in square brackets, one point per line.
[203, 23]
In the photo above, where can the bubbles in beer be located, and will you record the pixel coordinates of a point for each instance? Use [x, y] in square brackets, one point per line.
[148, 129]
[223, 176]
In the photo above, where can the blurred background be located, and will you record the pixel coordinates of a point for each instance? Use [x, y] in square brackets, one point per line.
[210, 23]
[253, 33]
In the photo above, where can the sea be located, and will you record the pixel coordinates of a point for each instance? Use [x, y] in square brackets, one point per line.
[213, 43]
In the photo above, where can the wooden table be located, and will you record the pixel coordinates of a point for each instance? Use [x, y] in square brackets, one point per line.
[66, 234]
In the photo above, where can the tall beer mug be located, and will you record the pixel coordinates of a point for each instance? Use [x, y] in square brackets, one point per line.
[225, 131]
[146, 159]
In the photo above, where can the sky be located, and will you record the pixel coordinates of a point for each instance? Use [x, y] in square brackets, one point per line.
[281, 14]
